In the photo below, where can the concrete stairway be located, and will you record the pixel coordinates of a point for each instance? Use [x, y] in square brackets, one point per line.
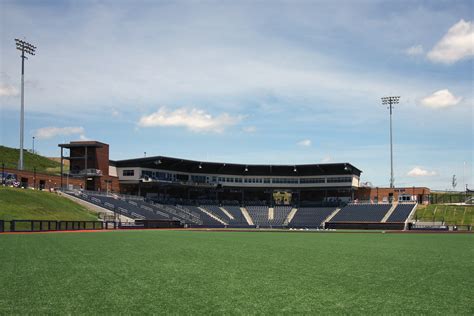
[390, 211]
[290, 216]
[213, 216]
[247, 216]
[331, 216]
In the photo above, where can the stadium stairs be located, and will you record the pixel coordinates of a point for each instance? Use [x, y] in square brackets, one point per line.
[247, 216]
[331, 216]
[226, 213]
[238, 217]
[390, 211]
[209, 213]
[290, 216]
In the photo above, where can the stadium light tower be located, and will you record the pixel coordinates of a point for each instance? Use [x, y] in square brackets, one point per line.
[25, 48]
[390, 101]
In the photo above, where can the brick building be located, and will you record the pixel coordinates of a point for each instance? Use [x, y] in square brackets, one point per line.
[89, 161]
[380, 195]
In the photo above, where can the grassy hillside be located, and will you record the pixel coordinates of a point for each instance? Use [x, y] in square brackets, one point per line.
[451, 214]
[9, 156]
[29, 204]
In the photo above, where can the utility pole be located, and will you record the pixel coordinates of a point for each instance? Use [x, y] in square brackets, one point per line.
[27, 48]
[390, 101]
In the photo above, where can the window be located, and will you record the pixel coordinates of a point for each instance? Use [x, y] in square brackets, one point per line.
[128, 173]
[312, 180]
[339, 179]
[285, 180]
[146, 173]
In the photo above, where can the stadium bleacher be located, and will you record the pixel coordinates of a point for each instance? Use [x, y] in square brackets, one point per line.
[401, 213]
[362, 213]
[205, 218]
[280, 213]
[218, 212]
[235, 211]
[310, 217]
[259, 215]
[213, 215]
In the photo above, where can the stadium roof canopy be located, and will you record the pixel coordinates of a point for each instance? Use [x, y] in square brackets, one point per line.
[192, 166]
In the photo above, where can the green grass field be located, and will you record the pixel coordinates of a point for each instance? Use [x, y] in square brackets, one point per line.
[32, 204]
[450, 214]
[186, 272]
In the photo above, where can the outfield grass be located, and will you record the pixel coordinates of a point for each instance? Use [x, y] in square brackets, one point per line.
[450, 214]
[185, 272]
[33, 204]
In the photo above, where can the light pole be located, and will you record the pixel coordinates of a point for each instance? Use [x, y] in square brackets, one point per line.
[27, 48]
[390, 101]
[33, 149]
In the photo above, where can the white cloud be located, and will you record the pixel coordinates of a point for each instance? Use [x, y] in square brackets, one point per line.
[195, 120]
[7, 90]
[414, 50]
[327, 159]
[440, 99]
[115, 113]
[304, 143]
[249, 129]
[419, 172]
[51, 131]
[457, 44]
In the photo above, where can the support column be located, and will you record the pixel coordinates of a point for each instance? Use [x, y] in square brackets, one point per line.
[62, 168]
[85, 169]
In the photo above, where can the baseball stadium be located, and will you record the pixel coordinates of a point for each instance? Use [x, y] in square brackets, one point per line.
[169, 235]
[236, 157]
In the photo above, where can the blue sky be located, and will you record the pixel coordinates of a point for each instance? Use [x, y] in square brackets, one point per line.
[268, 82]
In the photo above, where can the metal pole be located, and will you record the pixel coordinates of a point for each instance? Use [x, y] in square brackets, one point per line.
[28, 48]
[390, 101]
[391, 147]
[33, 145]
[22, 112]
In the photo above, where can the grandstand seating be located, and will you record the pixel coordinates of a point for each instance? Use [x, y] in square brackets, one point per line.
[362, 213]
[280, 213]
[206, 215]
[205, 218]
[216, 211]
[259, 215]
[310, 216]
[400, 213]
[130, 209]
[235, 211]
